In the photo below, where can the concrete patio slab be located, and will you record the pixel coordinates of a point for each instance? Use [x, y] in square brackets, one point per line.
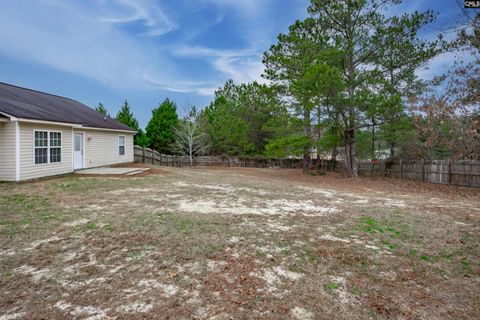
[112, 171]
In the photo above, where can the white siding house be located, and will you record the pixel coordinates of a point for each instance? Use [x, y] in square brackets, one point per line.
[7, 151]
[103, 147]
[44, 135]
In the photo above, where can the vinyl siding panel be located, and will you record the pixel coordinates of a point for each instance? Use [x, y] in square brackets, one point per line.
[7, 151]
[28, 168]
[101, 147]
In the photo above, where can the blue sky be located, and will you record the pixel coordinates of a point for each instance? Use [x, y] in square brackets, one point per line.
[146, 50]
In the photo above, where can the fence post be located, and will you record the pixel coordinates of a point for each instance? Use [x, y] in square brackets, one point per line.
[423, 170]
[449, 171]
[401, 169]
[143, 154]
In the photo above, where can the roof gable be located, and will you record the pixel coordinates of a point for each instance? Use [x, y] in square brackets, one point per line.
[30, 104]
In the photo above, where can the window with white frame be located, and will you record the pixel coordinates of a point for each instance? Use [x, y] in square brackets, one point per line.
[121, 145]
[48, 147]
[41, 147]
[55, 147]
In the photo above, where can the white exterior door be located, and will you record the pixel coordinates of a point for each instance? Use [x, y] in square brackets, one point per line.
[78, 151]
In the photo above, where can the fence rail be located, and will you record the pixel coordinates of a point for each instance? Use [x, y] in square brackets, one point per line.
[148, 155]
[465, 173]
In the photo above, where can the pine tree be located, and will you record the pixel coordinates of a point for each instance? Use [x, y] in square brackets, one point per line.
[141, 138]
[160, 128]
[102, 109]
[126, 117]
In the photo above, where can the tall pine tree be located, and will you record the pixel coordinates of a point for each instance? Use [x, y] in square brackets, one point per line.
[160, 128]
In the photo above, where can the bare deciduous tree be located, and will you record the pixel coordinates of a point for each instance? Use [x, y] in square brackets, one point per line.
[447, 116]
[190, 137]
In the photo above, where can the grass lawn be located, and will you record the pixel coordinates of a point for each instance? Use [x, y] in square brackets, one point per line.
[238, 243]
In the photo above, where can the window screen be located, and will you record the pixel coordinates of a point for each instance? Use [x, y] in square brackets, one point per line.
[121, 145]
[41, 147]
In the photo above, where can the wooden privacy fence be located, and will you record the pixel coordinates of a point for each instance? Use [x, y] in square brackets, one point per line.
[465, 173]
[148, 155]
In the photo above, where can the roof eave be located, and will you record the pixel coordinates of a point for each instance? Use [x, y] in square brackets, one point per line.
[9, 116]
[66, 124]
[108, 129]
[73, 125]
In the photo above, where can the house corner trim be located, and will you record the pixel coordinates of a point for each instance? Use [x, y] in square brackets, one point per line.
[17, 150]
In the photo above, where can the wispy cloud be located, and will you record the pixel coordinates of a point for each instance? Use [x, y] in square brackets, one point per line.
[202, 88]
[238, 65]
[149, 13]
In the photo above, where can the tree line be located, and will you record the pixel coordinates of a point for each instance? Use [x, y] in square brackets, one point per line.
[341, 83]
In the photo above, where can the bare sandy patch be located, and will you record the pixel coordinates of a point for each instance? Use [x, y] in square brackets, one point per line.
[293, 276]
[301, 313]
[266, 207]
[235, 239]
[333, 238]
[326, 193]
[213, 265]
[37, 243]
[131, 190]
[76, 223]
[90, 312]
[136, 307]
[37, 274]
[273, 279]
[344, 296]
[12, 316]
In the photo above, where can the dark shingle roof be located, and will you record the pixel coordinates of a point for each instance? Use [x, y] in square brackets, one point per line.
[30, 104]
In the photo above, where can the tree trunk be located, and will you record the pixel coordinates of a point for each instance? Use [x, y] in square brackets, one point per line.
[307, 127]
[334, 158]
[191, 158]
[306, 160]
[350, 146]
[373, 139]
[392, 149]
[350, 153]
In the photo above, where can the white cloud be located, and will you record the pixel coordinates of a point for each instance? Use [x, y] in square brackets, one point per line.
[240, 66]
[149, 13]
[240, 69]
[437, 66]
[201, 88]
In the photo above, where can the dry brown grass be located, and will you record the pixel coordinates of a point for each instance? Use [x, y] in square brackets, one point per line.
[236, 243]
